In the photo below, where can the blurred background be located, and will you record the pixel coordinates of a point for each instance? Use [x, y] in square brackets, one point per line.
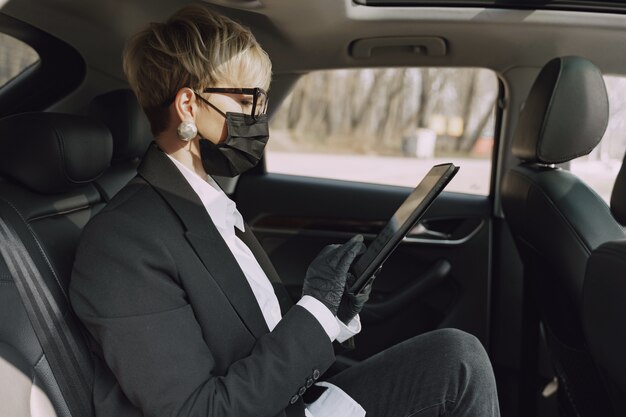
[390, 125]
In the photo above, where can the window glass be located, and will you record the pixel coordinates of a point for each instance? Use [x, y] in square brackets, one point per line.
[599, 169]
[15, 57]
[387, 126]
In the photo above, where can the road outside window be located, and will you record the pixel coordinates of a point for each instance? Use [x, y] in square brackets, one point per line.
[599, 169]
[388, 126]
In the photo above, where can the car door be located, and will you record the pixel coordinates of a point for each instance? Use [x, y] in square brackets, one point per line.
[440, 276]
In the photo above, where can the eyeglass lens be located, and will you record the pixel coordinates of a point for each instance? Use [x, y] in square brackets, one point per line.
[259, 98]
[260, 104]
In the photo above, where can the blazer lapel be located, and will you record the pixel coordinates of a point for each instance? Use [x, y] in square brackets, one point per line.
[159, 171]
[259, 253]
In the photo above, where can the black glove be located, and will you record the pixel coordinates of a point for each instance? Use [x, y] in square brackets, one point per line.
[352, 304]
[325, 278]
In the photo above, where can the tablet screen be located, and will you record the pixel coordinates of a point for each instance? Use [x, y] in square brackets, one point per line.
[403, 220]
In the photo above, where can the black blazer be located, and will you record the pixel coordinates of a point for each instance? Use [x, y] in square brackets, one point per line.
[175, 327]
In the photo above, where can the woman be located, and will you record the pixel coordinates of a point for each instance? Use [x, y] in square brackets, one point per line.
[186, 313]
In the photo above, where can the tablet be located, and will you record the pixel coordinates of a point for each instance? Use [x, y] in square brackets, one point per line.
[404, 219]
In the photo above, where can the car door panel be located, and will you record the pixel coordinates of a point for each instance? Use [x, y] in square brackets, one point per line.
[438, 277]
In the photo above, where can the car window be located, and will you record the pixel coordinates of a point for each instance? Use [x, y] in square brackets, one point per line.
[387, 126]
[15, 57]
[599, 169]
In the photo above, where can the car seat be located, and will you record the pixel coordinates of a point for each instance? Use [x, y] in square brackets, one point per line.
[556, 221]
[604, 306]
[48, 165]
[120, 111]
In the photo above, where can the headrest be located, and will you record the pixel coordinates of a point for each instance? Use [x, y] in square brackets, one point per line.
[51, 153]
[565, 114]
[618, 196]
[120, 111]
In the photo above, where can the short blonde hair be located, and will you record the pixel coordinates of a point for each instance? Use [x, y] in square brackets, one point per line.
[195, 48]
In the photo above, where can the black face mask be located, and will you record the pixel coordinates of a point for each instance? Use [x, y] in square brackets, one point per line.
[242, 149]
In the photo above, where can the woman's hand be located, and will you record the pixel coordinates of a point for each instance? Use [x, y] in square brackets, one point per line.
[326, 277]
[352, 304]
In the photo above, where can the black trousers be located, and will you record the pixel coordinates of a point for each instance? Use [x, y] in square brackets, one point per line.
[441, 373]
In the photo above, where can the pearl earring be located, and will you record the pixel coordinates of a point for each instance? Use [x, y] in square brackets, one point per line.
[187, 130]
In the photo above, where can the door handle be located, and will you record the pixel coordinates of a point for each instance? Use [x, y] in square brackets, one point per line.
[378, 311]
[421, 231]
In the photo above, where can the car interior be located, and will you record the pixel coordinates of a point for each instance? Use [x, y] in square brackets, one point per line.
[532, 267]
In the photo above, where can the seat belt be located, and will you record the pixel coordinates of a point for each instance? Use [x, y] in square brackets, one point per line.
[70, 365]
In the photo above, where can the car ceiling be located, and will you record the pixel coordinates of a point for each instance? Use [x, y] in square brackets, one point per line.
[303, 35]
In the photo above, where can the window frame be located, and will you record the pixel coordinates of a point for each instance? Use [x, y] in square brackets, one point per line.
[58, 72]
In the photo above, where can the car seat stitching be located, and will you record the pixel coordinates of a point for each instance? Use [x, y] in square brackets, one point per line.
[60, 213]
[61, 146]
[41, 358]
[544, 122]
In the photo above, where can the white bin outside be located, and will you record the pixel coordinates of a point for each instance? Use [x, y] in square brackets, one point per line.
[421, 144]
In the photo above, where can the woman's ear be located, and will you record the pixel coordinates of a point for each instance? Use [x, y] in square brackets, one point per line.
[185, 104]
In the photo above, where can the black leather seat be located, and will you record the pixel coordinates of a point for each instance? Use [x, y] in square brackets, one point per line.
[120, 111]
[557, 220]
[47, 167]
[604, 304]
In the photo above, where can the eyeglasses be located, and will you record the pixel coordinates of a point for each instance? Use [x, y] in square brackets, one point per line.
[259, 98]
